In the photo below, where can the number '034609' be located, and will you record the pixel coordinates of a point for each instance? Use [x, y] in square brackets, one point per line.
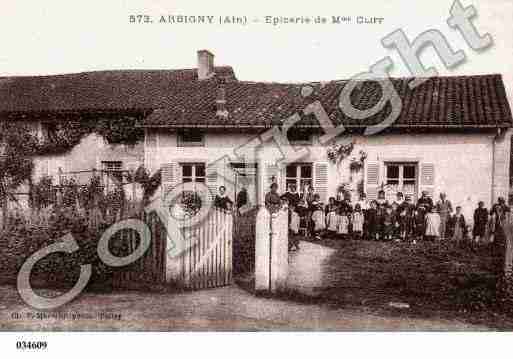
[23, 345]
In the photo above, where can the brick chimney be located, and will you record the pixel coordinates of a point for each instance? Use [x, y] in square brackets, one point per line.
[205, 64]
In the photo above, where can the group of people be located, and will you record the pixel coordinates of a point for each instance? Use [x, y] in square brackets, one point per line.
[381, 220]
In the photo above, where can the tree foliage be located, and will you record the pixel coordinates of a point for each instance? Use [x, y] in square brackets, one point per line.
[17, 146]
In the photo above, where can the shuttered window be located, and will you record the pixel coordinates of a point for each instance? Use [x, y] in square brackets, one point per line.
[321, 180]
[300, 175]
[427, 178]
[401, 177]
[372, 180]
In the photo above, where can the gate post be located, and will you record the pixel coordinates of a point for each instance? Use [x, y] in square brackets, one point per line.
[271, 251]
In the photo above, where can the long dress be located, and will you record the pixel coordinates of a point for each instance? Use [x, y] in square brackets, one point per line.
[318, 218]
[331, 220]
[294, 222]
[358, 222]
[343, 224]
[432, 224]
[459, 227]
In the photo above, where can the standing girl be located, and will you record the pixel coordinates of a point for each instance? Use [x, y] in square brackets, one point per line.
[318, 219]
[459, 225]
[432, 224]
[331, 217]
[343, 223]
[357, 221]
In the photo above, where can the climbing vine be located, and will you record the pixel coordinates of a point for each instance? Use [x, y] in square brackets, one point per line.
[338, 152]
[357, 164]
[67, 134]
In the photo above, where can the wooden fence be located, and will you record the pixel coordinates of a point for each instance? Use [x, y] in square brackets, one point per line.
[151, 267]
[205, 262]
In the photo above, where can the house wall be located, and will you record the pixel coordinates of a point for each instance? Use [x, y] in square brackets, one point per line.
[461, 164]
[88, 155]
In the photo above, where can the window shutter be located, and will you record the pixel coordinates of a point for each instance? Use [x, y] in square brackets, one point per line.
[427, 178]
[372, 180]
[321, 180]
[169, 177]
[212, 179]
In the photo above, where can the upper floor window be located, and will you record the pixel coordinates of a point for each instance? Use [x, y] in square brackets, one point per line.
[191, 137]
[49, 131]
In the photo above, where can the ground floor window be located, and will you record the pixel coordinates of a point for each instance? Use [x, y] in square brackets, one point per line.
[300, 175]
[113, 169]
[401, 177]
[193, 172]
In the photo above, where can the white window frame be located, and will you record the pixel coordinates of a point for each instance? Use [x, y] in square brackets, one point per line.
[297, 178]
[193, 176]
[400, 178]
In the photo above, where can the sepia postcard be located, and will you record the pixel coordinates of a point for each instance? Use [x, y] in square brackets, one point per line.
[189, 166]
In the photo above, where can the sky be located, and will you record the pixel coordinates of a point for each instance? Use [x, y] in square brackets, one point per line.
[54, 37]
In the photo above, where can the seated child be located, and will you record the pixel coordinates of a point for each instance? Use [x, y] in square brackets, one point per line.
[357, 221]
[293, 228]
[318, 219]
[331, 217]
[343, 223]
[432, 224]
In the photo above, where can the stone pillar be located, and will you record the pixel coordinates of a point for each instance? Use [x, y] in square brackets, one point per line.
[501, 162]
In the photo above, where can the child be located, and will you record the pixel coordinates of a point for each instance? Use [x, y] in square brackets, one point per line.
[458, 225]
[302, 211]
[396, 232]
[371, 222]
[419, 221]
[343, 223]
[432, 224]
[480, 222]
[405, 219]
[357, 221]
[388, 224]
[319, 222]
[293, 228]
[331, 217]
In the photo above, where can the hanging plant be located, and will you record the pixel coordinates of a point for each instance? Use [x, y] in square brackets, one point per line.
[338, 152]
[356, 165]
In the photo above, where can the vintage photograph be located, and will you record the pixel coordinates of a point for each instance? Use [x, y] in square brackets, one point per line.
[330, 167]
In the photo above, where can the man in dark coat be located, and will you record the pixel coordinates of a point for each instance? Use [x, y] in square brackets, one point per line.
[291, 195]
[222, 200]
[425, 201]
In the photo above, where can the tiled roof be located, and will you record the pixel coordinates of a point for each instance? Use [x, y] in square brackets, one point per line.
[98, 90]
[178, 99]
[440, 102]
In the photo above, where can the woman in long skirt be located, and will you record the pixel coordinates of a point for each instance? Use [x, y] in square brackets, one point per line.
[432, 224]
